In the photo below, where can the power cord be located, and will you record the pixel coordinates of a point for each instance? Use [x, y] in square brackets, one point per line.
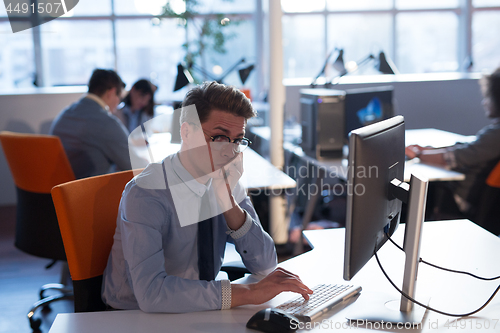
[443, 268]
[446, 269]
[428, 307]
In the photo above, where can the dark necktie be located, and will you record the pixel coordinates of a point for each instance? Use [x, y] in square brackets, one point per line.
[205, 242]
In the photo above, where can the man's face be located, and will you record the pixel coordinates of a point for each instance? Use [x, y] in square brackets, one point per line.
[200, 155]
[222, 123]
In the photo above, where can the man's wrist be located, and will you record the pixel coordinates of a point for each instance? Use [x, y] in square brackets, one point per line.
[240, 295]
[243, 229]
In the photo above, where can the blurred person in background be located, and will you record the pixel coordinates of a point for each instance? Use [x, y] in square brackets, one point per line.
[475, 159]
[138, 105]
[95, 141]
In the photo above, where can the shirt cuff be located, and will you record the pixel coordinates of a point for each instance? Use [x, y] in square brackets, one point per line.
[226, 294]
[235, 234]
[449, 158]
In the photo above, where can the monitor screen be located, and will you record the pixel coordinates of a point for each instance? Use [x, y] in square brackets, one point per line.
[366, 106]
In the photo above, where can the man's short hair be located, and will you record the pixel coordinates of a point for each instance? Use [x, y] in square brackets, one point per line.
[490, 86]
[212, 95]
[103, 80]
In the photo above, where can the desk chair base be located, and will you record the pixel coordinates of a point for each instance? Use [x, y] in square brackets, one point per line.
[66, 292]
[44, 302]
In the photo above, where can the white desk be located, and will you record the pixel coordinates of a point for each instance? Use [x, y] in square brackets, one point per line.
[436, 138]
[458, 244]
[424, 137]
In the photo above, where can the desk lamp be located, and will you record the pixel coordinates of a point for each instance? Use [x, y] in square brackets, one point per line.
[338, 64]
[184, 77]
[245, 72]
[385, 64]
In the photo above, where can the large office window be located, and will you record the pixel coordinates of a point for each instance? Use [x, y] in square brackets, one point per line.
[427, 42]
[303, 49]
[126, 36]
[486, 39]
[72, 49]
[420, 36]
[146, 50]
[17, 60]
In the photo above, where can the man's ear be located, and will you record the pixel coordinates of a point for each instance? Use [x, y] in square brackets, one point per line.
[111, 92]
[108, 94]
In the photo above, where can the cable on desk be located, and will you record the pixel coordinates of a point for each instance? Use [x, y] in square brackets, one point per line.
[443, 268]
[428, 307]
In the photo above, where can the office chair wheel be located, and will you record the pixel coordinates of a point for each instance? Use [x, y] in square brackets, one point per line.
[54, 286]
[35, 324]
[44, 303]
[46, 309]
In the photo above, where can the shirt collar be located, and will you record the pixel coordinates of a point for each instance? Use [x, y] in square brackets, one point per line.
[98, 100]
[195, 186]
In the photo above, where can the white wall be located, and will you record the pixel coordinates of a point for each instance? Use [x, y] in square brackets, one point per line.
[450, 102]
[30, 111]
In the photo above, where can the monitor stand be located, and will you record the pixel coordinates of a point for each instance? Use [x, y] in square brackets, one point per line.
[380, 308]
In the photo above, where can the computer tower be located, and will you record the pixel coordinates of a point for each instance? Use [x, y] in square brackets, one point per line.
[322, 120]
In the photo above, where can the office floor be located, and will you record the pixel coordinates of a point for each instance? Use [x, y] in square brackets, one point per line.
[21, 276]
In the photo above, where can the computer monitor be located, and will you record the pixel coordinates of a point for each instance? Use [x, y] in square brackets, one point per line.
[374, 198]
[365, 106]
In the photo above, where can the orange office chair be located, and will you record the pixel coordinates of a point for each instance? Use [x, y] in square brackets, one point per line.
[87, 210]
[493, 179]
[37, 163]
[488, 215]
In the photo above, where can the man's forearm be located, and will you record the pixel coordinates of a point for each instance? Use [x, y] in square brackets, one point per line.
[235, 217]
[433, 156]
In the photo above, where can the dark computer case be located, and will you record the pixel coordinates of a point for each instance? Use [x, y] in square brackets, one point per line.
[322, 120]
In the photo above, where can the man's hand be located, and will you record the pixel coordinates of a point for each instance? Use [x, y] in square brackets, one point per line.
[225, 179]
[427, 155]
[278, 281]
[413, 151]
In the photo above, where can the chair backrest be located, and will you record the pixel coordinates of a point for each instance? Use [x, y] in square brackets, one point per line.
[87, 210]
[37, 162]
[493, 179]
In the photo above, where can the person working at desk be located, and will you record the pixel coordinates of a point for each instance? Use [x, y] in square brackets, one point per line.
[138, 105]
[475, 159]
[177, 215]
[95, 141]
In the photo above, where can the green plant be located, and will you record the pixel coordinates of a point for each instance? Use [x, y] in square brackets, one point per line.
[210, 31]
